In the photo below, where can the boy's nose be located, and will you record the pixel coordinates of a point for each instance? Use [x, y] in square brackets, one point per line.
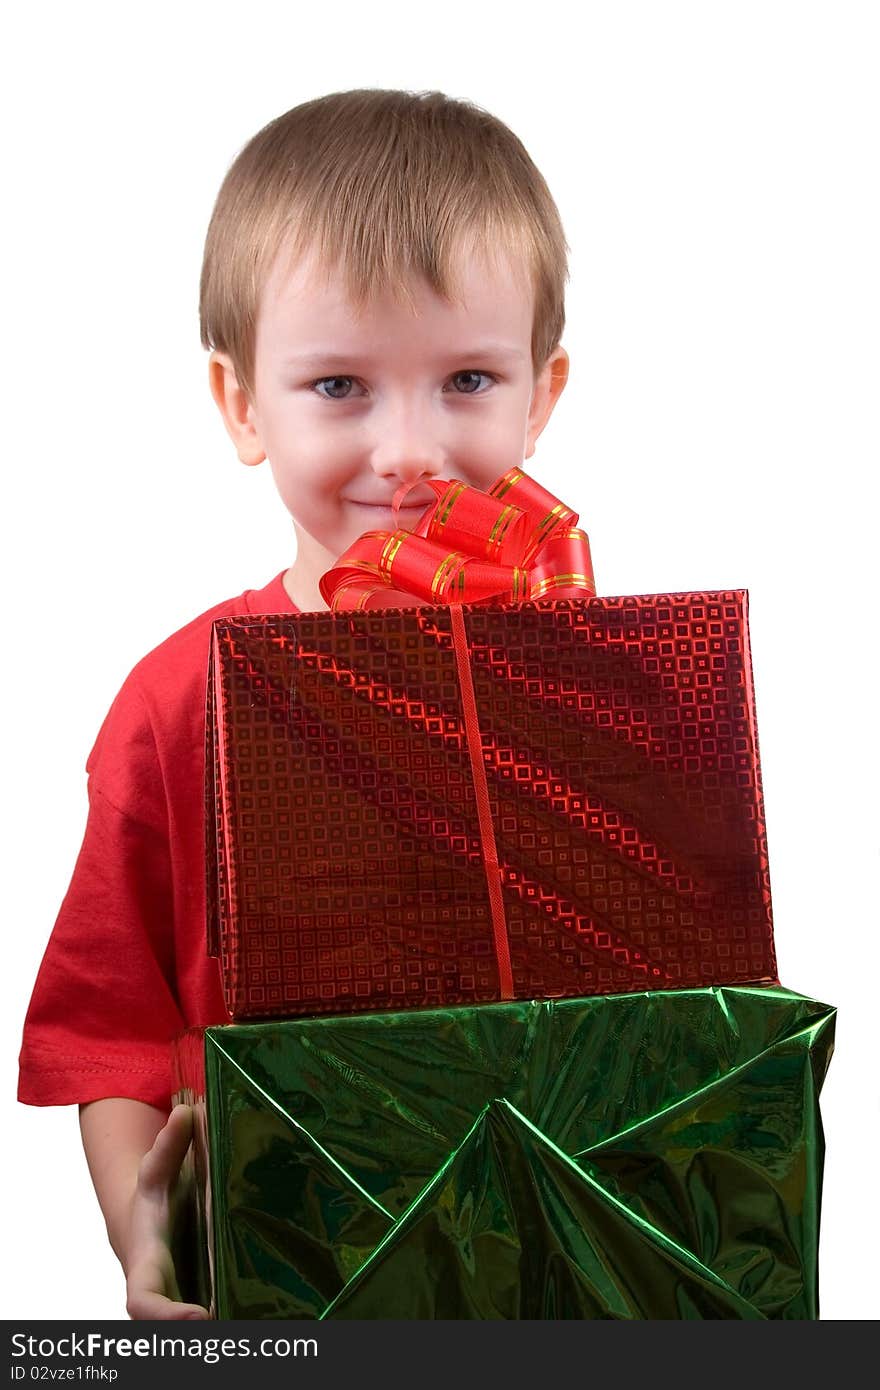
[407, 450]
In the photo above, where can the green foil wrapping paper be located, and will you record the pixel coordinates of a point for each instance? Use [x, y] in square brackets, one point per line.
[656, 1155]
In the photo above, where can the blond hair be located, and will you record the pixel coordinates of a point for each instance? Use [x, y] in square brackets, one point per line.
[386, 185]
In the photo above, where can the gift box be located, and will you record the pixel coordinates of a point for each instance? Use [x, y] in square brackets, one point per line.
[434, 806]
[654, 1155]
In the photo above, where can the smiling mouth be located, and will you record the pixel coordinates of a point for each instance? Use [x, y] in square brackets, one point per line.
[387, 506]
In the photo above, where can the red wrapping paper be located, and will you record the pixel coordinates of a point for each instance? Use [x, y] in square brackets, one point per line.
[586, 818]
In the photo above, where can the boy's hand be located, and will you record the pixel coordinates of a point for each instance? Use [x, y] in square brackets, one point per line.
[134, 1153]
[151, 1284]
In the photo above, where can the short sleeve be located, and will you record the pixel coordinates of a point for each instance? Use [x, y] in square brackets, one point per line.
[104, 1006]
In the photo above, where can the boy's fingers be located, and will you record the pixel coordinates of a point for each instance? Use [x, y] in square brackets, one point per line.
[152, 1287]
[161, 1164]
[153, 1293]
[146, 1306]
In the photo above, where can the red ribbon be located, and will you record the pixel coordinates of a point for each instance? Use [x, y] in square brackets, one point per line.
[491, 867]
[467, 547]
[516, 541]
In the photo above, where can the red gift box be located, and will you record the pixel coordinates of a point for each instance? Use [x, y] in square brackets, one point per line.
[447, 805]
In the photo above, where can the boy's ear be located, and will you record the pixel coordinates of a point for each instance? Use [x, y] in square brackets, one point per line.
[236, 409]
[548, 388]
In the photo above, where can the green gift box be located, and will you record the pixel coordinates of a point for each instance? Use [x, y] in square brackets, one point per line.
[653, 1155]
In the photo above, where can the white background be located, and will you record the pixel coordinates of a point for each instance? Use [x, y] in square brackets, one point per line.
[716, 169]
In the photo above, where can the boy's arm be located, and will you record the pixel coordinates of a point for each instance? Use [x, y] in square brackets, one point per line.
[134, 1153]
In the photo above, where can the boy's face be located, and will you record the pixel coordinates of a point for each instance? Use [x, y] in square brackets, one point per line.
[347, 405]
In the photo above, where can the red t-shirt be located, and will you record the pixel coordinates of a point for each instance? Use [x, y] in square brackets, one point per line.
[126, 966]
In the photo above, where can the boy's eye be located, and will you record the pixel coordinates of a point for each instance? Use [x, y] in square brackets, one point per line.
[468, 383]
[338, 387]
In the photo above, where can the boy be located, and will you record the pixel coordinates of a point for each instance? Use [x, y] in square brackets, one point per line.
[382, 296]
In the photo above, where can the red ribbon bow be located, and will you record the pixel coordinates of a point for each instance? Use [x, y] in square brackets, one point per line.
[530, 548]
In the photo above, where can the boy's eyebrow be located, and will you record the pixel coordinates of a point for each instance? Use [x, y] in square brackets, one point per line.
[499, 351]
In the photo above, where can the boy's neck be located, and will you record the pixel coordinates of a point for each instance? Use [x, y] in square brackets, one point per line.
[303, 591]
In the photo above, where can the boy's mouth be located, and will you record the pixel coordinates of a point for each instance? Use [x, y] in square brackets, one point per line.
[387, 507]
